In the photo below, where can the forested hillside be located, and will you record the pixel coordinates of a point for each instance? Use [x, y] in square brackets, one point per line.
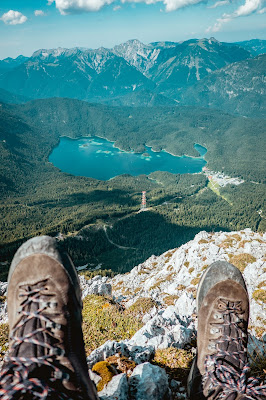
[36, 198]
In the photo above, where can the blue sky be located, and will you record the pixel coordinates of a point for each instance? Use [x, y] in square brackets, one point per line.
[95, 23]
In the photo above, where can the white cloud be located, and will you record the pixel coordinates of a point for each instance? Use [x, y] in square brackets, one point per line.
[220, 3]
[262, 11]
[13, 18]
[248, 8]
[39, 13]
[77, 6]
[172, 5]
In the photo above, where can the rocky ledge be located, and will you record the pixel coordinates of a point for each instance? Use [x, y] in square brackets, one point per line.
[126, 369]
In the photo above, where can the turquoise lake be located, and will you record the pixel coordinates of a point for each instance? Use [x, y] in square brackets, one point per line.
[98, 158]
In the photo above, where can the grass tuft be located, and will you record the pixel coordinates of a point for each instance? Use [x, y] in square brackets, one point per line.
[203, 241]
[170, 299]
[104, 320]
[176, 362]
[241, 260]
[259, 295]
[4, 331]
[102, 272]
[141, 307]
[195, 281]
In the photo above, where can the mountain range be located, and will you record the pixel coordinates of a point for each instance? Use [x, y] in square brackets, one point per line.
[197, 71]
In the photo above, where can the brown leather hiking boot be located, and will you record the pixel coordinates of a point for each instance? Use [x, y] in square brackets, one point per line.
[46, 350]
[220, 369]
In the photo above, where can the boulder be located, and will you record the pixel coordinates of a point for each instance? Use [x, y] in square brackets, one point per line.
[139, 354]
[149, 382]
[98, 285]
[116, 389]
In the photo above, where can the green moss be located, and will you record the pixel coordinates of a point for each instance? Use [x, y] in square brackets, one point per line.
[191, 270]
[262, 284]
[186, 264]
[106, 372]
[104, 320]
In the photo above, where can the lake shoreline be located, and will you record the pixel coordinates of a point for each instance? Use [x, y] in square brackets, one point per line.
[99, 158]
[132, 151]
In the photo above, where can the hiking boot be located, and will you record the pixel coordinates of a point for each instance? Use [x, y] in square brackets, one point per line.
[46, 350]
[220, 370]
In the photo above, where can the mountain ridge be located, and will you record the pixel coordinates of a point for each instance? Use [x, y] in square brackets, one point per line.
[166, 69]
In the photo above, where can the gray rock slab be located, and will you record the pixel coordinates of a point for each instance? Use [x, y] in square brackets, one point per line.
[116, 389]
[149, 382]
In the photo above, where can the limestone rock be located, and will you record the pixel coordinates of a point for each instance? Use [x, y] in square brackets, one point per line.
[3, 313]
[94, 377]
[116, 389]
[149, 382]
[164, 330]
[137, 353]
[3, 288]
[97, 285]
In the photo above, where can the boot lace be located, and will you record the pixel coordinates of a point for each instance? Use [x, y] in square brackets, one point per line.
[232, 376]
[16, 380]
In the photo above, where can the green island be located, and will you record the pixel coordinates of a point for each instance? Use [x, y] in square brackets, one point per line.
[99, 221]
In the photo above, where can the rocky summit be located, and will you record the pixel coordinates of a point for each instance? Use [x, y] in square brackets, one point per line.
[162, 292]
